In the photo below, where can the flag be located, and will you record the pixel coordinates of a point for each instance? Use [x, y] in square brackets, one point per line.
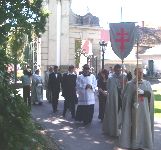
[87, 47]
[105, 35]
[122, 37]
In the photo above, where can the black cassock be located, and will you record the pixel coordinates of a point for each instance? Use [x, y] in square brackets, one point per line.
[69, 92]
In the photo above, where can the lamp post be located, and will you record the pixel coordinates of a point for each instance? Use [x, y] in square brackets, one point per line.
[103, 45]
[94, 63]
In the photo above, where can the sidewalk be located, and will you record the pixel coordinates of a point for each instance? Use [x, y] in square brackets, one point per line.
[74, 136]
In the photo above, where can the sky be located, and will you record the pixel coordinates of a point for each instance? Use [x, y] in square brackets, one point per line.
[109, 11]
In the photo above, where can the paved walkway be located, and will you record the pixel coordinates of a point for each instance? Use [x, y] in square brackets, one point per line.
[74, 136]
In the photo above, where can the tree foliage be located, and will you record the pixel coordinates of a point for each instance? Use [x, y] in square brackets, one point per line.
[16, 127]
[78, 52]
[16, 45]
[18, 18]
[21, 18]
[24, 15]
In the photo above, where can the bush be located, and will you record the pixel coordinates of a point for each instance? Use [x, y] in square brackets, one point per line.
[16, 127]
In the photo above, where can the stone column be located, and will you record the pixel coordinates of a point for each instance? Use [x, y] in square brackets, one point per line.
[53, 32]
[49, 39]
[64, 42]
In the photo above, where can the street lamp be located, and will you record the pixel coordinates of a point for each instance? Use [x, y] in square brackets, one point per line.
[94, 63]
[103, 46]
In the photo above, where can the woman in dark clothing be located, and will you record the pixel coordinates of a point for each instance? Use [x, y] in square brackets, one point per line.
[102, 88]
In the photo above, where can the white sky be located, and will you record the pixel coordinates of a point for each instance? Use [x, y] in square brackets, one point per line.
[110, 10]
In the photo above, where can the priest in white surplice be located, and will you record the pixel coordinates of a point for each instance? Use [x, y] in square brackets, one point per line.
[138, 116]
[86, 86]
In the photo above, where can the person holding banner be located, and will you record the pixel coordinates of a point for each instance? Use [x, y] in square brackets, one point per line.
[137, 114]
[112, 116]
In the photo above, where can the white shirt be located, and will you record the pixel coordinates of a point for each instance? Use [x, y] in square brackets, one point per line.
[86, 96]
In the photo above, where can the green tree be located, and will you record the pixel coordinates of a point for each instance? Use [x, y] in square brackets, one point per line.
[18, 18]
[15, 49]
[27, 16]
[78, 52]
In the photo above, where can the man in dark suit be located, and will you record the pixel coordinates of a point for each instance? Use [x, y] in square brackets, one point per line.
[54, 85]
[69, 90]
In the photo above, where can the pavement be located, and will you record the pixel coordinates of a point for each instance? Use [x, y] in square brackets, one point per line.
[70, 135]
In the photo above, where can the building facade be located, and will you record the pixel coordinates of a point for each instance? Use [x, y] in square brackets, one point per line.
[63, 29]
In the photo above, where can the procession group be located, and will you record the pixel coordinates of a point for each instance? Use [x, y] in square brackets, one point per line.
[126, 104]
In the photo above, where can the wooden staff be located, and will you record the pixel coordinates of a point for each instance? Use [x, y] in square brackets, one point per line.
[123, 75]
[136, 104]
[137, 66]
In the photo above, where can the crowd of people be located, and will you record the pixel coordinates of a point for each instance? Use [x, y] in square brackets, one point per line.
[126, 103]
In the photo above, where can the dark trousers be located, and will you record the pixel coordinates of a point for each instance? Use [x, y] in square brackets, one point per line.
[55, 97]
[102, 104]
[26, 95]
[49, 95]
[69, 103]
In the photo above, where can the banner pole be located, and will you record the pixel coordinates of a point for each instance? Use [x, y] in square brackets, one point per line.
[123, 75]
[137, 66]
[136, 105]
